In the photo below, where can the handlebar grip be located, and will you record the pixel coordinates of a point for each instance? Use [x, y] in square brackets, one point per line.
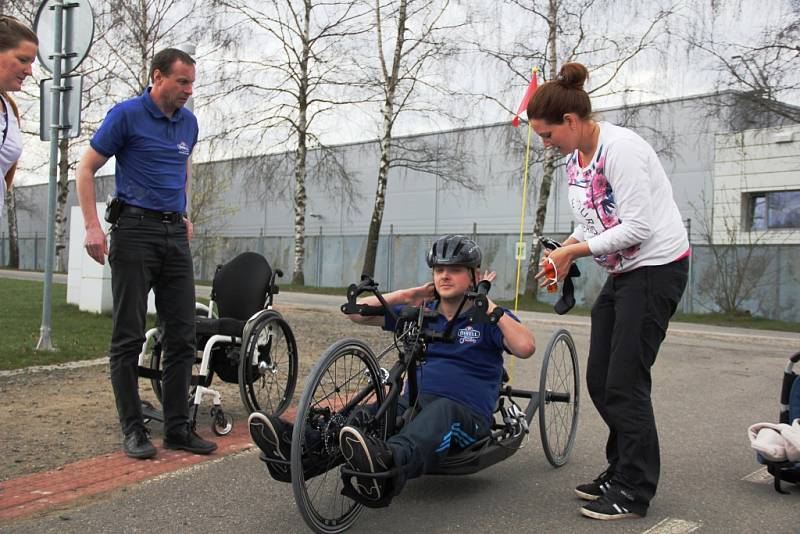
[372, 311]
[363, 309]
[549, 244]
[483, 287]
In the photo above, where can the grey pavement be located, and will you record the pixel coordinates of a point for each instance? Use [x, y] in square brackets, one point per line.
[706, 390]
[709, 385]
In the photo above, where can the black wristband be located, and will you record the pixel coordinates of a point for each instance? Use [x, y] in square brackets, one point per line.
[496, 314]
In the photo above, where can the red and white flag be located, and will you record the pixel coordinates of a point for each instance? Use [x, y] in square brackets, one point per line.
[528, 94]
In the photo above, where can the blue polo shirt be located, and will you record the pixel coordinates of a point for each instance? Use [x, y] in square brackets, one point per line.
[151, 152]
[469, 369]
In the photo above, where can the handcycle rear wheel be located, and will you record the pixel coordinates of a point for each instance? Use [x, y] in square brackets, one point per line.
[267, 364]
[343, 384]
[559, 396]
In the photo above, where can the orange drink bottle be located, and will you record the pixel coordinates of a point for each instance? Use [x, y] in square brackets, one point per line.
[550, 273]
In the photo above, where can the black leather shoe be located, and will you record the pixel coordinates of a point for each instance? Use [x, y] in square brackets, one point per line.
[187, 439]
[137, 445]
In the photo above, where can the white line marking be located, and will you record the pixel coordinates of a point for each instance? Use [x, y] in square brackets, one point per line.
[45, 368]
[672, 525]
[760, 476]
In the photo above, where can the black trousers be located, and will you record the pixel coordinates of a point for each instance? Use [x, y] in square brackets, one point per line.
[629, 321]
[148, 254]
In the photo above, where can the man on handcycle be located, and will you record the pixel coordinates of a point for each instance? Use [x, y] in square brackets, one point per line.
[458, 383]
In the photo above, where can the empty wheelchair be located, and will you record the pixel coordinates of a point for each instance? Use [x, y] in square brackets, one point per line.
[240, 338]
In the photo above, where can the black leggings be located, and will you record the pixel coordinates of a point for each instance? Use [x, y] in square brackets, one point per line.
[629, 321]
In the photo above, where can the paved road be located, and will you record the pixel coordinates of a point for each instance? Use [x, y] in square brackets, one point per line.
[708, 387]
[710, 384]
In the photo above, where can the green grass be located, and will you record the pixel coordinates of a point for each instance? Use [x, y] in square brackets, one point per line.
[75, 334]
[738, 321]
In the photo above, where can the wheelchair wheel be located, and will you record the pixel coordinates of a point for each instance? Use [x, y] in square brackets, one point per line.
[559, 396]
[343, 384]
[268, 364]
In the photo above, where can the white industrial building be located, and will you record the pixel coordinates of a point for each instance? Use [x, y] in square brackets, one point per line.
[734, 171]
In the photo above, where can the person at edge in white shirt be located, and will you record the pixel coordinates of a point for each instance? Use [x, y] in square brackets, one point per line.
[18, 45]
[628, 221]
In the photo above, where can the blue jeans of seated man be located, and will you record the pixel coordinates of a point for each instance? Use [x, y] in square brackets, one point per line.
[145, 254]
[424, 442]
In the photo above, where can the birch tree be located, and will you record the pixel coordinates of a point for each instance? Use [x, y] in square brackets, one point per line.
[13, 229]
[294, 68]
[410, 37]
[764, 66]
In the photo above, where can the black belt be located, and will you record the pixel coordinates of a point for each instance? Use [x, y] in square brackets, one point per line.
[163, 216]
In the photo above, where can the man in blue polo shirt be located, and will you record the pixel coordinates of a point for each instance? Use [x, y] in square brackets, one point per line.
[152, 137]
[459, 382]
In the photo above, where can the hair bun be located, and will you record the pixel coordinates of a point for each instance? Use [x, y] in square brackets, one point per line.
[572, 75]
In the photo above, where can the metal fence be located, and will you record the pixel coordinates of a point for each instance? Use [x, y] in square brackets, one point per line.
[31, 252]
[336, 261]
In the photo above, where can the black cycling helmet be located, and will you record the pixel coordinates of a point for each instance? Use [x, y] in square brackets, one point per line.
[455, 250]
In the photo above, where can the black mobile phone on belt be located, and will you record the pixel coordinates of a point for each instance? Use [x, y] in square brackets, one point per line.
[113, 209]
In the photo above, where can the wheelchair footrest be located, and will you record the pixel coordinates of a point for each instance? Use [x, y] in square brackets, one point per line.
[146, 372]
[156, 374]
[151, 412]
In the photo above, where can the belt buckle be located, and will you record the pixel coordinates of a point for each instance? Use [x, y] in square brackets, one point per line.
[168, 217]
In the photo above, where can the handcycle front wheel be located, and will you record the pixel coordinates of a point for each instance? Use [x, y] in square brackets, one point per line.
[340, 390]
[267, 364]
[559, 398]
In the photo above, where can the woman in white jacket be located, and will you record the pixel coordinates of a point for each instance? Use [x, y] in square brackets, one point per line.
[18, 45]
[629, 222]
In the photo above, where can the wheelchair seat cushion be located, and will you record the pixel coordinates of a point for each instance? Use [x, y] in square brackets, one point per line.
[224, 326]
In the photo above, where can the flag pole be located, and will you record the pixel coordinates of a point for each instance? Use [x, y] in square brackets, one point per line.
[520, 242]
[522, 217]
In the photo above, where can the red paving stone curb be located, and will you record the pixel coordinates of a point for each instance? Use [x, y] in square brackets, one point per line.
[23, 496]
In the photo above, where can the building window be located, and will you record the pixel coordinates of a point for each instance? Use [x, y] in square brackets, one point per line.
[774, 210]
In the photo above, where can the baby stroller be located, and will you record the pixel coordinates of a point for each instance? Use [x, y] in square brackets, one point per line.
[240, 338]
[790, 410]
[782, 435]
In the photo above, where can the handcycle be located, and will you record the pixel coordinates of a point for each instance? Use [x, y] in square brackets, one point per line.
[241, 339]
[348, 386]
